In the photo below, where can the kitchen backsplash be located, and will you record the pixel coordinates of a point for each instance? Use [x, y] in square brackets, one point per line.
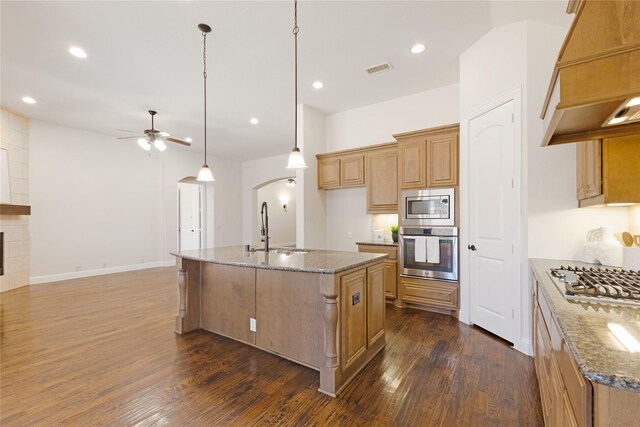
[383, 222]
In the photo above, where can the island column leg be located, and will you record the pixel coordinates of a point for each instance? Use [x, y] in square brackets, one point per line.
[188, 317]
[330, 372]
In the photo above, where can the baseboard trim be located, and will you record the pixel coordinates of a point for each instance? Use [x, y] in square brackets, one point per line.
[526, 347]
[35, 280]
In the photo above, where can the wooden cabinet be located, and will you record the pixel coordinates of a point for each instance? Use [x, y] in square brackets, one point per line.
[607, 171]
[430, 293]
[442, 160]
[429, 157]
[589, 169]
[228, 300]
[390, 266]
[340, 171]
[375, 303]
[328, 173]
[565, 394]
[354, 316]
[413, 169]
[352, 171]
[382, 181]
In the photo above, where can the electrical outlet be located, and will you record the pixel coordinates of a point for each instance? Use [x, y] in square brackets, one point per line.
[252, 324]
[104, 265]
[349, 235]
[142, 261]
[77, 268]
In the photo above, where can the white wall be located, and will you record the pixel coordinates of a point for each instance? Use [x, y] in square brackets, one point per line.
[103, 205]
[522, 55]
[282, 224]
[256, 173]
[376, 124]
[311, 215]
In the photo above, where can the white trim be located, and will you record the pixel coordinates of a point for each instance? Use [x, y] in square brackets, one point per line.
[526, 347]
[35, 280]
[514, 95]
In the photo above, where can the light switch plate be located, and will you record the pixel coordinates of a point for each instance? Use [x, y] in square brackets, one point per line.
[252, 324]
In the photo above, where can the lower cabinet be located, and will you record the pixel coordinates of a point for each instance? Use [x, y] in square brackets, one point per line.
[354, 316]
[390, 266]
[565, 394]
[362, 312]
[431, 293]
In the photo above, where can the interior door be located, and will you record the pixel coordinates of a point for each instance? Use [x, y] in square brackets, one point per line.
[493, 275]
[189, 202]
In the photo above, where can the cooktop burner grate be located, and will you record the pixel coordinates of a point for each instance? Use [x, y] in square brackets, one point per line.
[599, 282]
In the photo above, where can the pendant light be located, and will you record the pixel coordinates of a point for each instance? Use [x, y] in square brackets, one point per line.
[205, 173]
[296, 161]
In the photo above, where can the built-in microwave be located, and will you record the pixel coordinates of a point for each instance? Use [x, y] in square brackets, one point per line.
[428, 207]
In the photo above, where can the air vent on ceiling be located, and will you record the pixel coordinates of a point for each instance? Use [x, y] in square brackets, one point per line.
[379, 68]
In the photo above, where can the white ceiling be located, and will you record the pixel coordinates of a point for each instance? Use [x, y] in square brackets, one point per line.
[148, 55]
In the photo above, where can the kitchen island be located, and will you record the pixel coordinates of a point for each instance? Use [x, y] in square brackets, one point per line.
[321, 309]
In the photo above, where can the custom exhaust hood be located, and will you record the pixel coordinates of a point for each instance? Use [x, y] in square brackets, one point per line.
[595, 88]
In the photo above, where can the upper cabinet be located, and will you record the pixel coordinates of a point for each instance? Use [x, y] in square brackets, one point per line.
[606, 171]
[336, 171]
[428, 158]
[597, 75]
[442, 160]
[382, 180]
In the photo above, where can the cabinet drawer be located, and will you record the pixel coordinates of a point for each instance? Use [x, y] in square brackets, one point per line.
[578, 389]
[392, 251]
[431, 293]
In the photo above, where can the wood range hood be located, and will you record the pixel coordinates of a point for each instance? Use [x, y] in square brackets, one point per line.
[597, 73]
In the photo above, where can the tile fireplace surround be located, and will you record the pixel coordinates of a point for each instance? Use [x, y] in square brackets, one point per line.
[14, 137]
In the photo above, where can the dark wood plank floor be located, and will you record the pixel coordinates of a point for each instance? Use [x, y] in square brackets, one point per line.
[102, 351]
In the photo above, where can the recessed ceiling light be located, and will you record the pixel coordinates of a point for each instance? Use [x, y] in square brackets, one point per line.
[634, 102]
[418, 48]
[187, 139]
[77, 52]
[254, 121]
[317, 84]
[28, 100]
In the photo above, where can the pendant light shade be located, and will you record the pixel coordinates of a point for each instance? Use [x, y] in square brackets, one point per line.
[296, 161]
[205, 174]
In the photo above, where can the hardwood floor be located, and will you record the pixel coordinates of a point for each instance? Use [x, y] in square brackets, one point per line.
[102, 351]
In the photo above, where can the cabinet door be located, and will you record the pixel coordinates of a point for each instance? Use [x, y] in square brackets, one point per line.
[391, 278]
[228, 300]
[375, 303]
[354, 320]
[382, 181]
[328, 173]
[442, 160]
[412, 161]
[352, 171]
[588, 169]
[568, 419]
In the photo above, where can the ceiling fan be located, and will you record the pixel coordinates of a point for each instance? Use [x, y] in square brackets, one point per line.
[153, 137]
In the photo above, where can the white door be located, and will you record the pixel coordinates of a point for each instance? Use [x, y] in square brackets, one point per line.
[493, 266]
[189, 216]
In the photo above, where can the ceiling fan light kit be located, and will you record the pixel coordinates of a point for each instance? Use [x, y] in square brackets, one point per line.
[205, 173]
[296, 160]
[153, 137]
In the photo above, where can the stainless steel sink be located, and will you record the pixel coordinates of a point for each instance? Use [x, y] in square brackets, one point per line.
[289, 251]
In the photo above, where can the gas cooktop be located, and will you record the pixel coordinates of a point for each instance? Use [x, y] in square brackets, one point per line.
[598, 285]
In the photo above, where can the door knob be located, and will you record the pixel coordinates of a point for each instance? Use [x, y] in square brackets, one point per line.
[472, 247]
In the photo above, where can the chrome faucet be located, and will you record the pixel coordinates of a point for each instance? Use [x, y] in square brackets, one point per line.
[264, 215]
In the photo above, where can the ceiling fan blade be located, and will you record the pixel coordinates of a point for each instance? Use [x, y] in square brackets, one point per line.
[177, 141]
[124, 130]
[130, 137]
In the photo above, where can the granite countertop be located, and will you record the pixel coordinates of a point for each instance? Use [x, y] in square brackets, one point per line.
[378, 243]
[600, 356]
[311, 261]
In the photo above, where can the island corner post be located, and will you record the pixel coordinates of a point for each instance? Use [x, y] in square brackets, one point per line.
[343, 328]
